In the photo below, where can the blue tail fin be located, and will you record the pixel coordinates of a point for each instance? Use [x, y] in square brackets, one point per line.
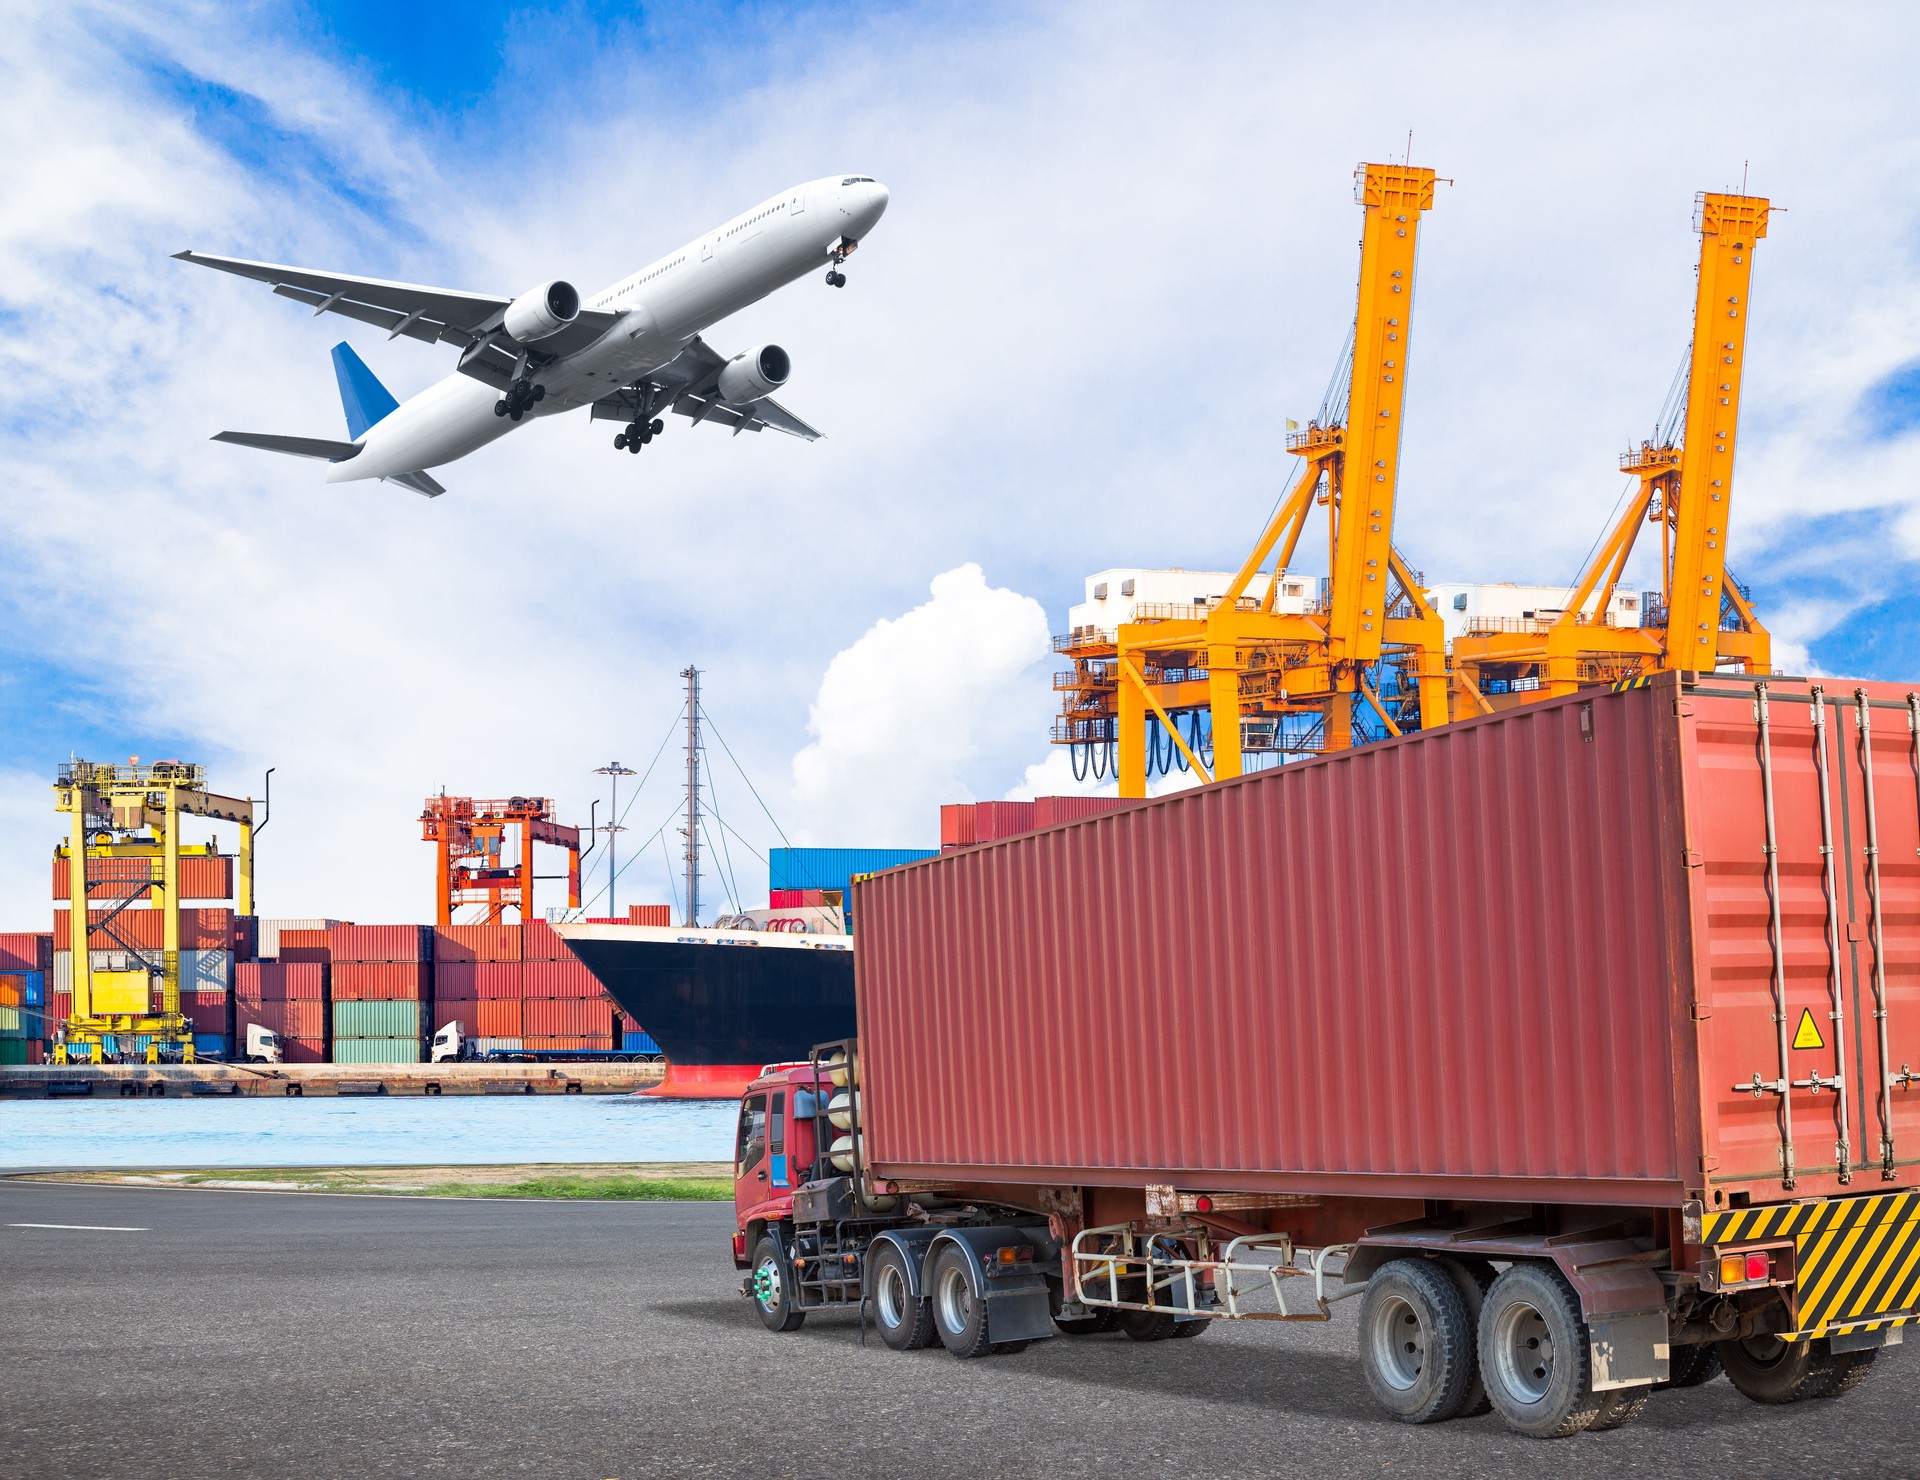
[362, 396]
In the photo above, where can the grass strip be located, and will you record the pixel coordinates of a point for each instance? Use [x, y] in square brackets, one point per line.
[622, 1189]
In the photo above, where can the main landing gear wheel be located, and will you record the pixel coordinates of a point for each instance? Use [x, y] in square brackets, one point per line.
[1534, 1356]
[1416, 1341]
[1769, 1370]
[772, 1288]
[959, 1315]
[905, 1322]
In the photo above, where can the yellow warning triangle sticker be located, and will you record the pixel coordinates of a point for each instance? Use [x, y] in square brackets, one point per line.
[1807, 1035]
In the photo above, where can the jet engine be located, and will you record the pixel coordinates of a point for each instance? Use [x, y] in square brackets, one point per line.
[755, 374]
[541, 311]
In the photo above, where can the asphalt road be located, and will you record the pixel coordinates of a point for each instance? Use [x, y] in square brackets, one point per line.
[245, 1334]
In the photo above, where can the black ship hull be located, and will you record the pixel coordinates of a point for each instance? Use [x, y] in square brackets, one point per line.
[721, 1010]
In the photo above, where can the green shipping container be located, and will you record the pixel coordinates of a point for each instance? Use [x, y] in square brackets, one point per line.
[376, 1050]
[376, 1020]
[13, 1050]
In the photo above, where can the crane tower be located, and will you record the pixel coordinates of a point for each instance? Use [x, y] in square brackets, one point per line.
[473, 851]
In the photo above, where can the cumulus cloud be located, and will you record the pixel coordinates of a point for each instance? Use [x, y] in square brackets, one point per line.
[920, 709]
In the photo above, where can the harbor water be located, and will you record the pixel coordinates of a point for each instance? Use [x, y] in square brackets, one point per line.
[423, 1130]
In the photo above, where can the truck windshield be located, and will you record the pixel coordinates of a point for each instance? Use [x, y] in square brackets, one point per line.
[751, 1143]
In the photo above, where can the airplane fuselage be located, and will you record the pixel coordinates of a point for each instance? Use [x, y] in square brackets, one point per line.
[662, 307]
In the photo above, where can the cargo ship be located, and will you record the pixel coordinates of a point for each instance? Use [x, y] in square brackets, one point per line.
[723, 1001]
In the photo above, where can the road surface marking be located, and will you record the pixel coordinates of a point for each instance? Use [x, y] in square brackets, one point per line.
[86, 1227]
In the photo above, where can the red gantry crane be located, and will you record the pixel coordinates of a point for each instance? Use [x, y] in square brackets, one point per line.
[474, 847]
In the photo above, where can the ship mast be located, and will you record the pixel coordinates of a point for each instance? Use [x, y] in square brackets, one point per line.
[692, 828]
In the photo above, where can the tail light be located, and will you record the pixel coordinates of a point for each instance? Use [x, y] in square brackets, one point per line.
[1733, 1269]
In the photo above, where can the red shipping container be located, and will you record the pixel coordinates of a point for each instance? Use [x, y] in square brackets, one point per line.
[499, 979]
[455, 981]
[202, 928]
[280, 981]
[538, 942]
[312, 946]
[1525, 957]
[993, 820]
[1052, 811]
[469, 943]
[288, 1019]
[379, 981]
[461, 1010]
[305, 1050]
[207, 1011]
[26, 950]
[201, 877]
[659, 915]
[558, 979]
[407, 943]
[565, 1017]
[956, 825]
[496, 1018]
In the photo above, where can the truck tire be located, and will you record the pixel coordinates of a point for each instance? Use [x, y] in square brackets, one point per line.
[959, 1315]
[1769, 1370]
[1692, 1366]
[1534, 1356]
[1416, 1341]
[905, 1320]
[1187, 1330]
[1148, 1325]
[1473, 1277]
[1093, 1325]
[1850, 1369]
[1620, 1407]
[772, 1286]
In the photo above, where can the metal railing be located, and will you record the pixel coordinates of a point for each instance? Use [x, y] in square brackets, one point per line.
[1248, 1281]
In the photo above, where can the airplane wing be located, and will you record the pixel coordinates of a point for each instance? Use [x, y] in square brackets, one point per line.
[318, 447]
[687, 385]
[431, 315]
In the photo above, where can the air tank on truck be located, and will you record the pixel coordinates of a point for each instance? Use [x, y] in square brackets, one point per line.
[1575, 1043]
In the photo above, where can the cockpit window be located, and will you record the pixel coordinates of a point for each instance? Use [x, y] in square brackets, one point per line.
[858, 180]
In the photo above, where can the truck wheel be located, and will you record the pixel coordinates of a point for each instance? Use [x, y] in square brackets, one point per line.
[1473, 1278]
[1769, 1370]
[1187, 1330]
[1093, 1325]
[1850, 1369]
[959, 1315]
[1691, 1366]
[1416, 1342]
[1148, 1325]
[1619, 1407]
[905, 1320]
[773, 1293]
[1534, 1356]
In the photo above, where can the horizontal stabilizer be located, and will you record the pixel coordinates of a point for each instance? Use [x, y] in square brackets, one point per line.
[318, 447]
[419, 483]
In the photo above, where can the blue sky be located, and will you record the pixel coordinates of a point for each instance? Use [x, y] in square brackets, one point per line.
[1120, 254]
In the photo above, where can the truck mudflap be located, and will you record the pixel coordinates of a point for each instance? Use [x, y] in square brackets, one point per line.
[1856, 1259]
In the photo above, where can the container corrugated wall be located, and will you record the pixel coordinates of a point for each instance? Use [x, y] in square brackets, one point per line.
[1437, 966]
[832, 868]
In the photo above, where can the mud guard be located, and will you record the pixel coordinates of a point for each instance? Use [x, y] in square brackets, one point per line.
[1019, 1306]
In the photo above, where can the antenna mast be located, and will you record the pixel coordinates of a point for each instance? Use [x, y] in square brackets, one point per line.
[692, 828]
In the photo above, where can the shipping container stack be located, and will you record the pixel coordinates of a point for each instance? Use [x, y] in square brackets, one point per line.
[26, 964]
[966, 824]
[517, 988]
[381, 991]
[287, 997]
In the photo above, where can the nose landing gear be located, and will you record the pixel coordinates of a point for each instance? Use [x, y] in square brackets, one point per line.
[638, 434]
[838, 253]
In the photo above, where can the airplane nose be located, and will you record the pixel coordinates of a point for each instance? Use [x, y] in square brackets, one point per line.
[870, 203]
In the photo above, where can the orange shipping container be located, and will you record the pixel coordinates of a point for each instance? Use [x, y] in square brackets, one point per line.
[558, 979]
[201, 877]
[539, 942]
[650, 914]
[379, 981]
[314, 946]
[467, 943]
[497, 1018]
[547, 1017]
[499, 979]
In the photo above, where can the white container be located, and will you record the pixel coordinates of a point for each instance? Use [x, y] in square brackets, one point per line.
[206, 971]
[270, 932]
[488, 1045]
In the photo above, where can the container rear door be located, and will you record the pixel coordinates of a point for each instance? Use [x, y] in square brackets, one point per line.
[1807, 936]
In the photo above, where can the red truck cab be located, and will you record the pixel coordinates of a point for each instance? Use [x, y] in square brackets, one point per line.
[773, 1149]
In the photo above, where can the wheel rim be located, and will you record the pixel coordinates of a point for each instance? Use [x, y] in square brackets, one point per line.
[766, 1284]
[891, 1297]
[956, 1299]
[1523, 1351]
[1766, 1350]
[1399, 1340]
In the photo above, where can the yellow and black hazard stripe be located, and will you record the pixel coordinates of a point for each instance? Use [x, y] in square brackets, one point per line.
[1857, 1259]
[1621, 685]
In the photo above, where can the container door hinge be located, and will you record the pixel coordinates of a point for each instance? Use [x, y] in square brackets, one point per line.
[1683, 707]
[1709, 1163]
[1701, 1012]
[1693, 857]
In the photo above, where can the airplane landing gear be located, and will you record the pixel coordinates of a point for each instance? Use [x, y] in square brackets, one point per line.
[836, 278]
[837, 255]
[638, 434]
[520, 398]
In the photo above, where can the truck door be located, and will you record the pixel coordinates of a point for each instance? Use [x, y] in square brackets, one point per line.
[779, 1178]
[750, 1157]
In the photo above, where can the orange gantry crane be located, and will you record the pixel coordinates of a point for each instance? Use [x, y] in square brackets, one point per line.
[1248, 675]
[473, 844]
[1703, 620]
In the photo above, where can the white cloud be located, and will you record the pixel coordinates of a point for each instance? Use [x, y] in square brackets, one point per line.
[907, 715]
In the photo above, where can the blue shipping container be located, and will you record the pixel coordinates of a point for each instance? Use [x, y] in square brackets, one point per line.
[205, 1044]
[36, 988]
[638, 1043]
[834, 868]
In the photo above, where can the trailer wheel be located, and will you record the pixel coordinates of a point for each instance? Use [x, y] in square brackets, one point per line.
[1416, 1341]
[905, 1321]
[1619, 1407]
[959, 1315]
[1769, 1370]
[1691, 1366]
[1093, 1325]
[1534, 1356]
[1187, 1330]
[1473, 1277]
[773, 1293]
[1148, 1325]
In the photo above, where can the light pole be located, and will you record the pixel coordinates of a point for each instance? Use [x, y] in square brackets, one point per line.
[614, 771]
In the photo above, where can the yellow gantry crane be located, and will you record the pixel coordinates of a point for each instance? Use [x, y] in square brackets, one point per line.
[124, 847]
[1248, 666]
[1704, 621]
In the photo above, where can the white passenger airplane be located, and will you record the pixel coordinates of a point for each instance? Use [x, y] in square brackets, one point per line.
[631, 353]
